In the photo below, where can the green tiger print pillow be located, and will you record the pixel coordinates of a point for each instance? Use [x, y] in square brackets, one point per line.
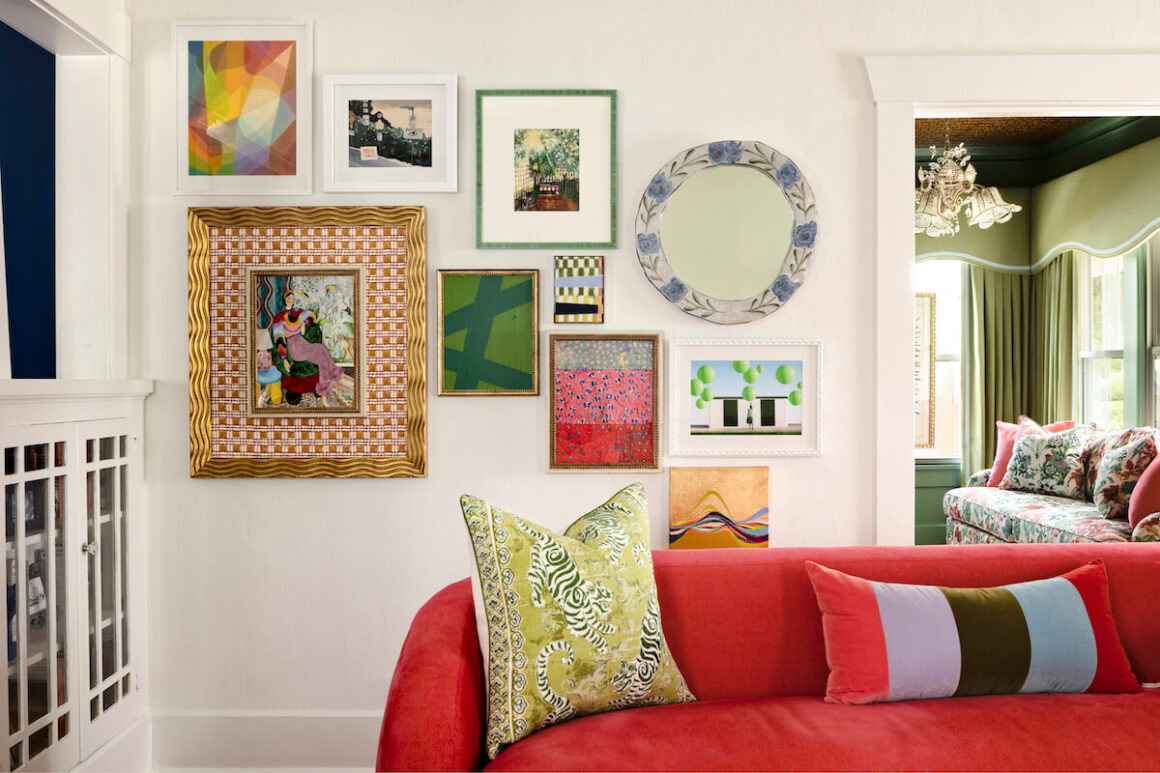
[570, 623]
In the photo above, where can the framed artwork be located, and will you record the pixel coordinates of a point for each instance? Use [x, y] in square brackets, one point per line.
[390, 133]
[604, 412]
[489, 332]
[244, 101]
[579, 289]
[307, 342]
[305, 328]
[718, 507]
[924, 363]
[741, 398]
[545, 169]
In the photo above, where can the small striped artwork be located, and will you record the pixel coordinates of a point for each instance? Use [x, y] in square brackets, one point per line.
[892, 642]
[579, 289]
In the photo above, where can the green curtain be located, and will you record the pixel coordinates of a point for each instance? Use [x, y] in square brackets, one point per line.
[1019, 352]
[998, 359]
[1053, 343]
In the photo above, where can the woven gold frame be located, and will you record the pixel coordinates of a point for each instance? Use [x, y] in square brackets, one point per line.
[201, 464]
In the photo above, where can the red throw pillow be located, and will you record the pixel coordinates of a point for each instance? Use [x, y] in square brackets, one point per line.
[1005, 445]
[1145, 498]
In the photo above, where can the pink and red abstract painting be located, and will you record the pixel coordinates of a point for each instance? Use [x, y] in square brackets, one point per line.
[604, 402]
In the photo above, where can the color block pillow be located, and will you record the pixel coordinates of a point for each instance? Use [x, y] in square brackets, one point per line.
[1047, 463]
[1123, 464]
[893, 642]
[572, 621]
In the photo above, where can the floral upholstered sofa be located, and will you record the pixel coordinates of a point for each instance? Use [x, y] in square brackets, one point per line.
[1032, 510]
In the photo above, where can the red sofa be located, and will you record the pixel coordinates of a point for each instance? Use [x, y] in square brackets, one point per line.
[744, 627]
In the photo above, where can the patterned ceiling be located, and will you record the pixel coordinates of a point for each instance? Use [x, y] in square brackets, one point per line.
[992, 132]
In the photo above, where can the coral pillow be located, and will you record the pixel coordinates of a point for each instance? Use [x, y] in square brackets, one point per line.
[1006, 444]
[1145, 498]
[893, 642]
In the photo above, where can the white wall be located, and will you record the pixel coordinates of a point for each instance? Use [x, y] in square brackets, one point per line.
[291, 597]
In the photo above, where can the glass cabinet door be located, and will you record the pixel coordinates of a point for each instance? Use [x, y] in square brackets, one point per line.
[38, 467]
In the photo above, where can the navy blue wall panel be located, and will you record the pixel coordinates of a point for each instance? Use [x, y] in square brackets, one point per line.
[28, 177]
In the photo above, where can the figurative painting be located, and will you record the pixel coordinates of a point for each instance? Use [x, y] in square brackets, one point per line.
[533, 148]
[604, 410]
[579, 289]
[924, 370]
[305, 345]
[489, 332]
[740, 398]
[307, 342]
[718, 507]
[547, 170]
[389, 132]
[760, 397]
[243, 113]
[243, 107]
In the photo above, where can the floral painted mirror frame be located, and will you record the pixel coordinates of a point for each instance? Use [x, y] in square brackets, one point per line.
[790, 181]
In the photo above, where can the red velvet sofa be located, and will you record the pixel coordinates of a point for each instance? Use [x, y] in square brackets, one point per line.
[744, 627]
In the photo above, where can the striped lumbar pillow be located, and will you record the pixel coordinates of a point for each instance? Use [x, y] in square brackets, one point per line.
[892, 642]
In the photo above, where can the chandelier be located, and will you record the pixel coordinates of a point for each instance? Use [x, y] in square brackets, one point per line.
[948, 185]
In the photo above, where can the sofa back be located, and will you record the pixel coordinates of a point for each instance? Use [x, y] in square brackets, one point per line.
[744, 623]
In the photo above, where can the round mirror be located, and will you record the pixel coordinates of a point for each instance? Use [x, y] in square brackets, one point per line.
[726, 230]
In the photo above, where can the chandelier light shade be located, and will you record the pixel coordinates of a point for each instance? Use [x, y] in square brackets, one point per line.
[946, 186]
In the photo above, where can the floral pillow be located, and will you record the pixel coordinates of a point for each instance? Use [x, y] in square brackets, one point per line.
[1123, 461]
[1047, 463]
[1099, 443]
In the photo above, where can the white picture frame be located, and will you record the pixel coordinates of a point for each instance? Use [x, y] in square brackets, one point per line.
[271, 168]
[432, 103]
[732, 421]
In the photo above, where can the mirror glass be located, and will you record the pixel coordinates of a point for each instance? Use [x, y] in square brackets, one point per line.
[726, 231]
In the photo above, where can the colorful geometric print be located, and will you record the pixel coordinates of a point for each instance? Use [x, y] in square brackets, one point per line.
[489, 333]
[242, 107]
[579, 289]
[892, 642]
[604, 403]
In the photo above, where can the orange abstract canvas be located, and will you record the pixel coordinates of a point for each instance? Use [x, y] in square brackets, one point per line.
[718, 507]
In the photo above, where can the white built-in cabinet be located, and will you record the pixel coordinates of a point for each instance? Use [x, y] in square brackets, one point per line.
[71, 454]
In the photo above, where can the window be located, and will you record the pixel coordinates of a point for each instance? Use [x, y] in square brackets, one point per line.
[1101, 341]
[944, 278]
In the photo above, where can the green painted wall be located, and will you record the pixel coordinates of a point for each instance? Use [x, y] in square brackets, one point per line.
[931, 481]
[1102, 206]
[1007, 244]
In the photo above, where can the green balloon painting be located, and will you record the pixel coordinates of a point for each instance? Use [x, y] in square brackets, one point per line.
[795, 398]
[786, 373]
[706, 374]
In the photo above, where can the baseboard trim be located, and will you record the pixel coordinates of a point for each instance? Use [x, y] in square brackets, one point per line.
[128, 751]
[255, 741]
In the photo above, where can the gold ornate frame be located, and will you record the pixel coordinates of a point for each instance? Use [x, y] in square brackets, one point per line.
[389, 440]
[924, 340]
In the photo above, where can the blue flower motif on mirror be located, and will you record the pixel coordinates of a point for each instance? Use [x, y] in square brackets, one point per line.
[783, 287]
[675, 290]
[804, 235]
[648, 244]
[788, 175]
[660, 188]
[724, 152]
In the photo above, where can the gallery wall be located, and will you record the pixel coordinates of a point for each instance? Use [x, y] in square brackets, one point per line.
[278, 606]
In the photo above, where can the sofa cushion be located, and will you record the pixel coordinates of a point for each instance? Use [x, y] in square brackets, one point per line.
[1005, 444]
[1017, 516]
[1125, 459]
[998, 732]
[895, 641]
[573, 622]
[1047, 463]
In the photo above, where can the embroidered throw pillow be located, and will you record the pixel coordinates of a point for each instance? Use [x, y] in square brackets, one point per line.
[1123, 463]
[1097, 444]
[1047, 463]
[892, 642]
[572, 621]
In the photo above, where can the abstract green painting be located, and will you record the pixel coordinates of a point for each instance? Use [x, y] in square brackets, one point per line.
[489, 332]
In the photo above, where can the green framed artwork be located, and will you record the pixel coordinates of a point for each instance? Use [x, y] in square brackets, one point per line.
[489, 332]
[545, 169]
